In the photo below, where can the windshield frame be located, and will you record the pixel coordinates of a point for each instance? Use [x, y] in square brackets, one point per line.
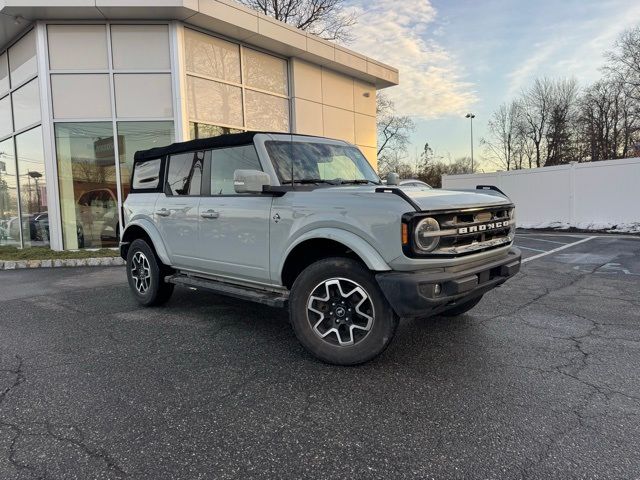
[369, 175]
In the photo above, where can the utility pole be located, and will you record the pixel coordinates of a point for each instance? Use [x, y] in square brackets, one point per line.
[471, 116]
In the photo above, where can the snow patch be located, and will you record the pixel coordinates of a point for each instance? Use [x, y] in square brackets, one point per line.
[633, 227]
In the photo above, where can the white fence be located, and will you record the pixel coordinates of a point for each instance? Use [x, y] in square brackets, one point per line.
[597, 195]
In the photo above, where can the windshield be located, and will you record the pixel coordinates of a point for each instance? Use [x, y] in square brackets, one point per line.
[319, 162]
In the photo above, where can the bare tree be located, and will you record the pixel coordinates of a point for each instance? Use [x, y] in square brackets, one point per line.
[326, 18]
[624, 61]
[561, 122]
[609, 121]
[393, 133]
[537, 103]
[503, 142]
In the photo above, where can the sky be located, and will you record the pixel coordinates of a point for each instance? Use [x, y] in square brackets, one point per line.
[460, 56]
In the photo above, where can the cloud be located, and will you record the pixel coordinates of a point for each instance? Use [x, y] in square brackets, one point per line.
[431, 80]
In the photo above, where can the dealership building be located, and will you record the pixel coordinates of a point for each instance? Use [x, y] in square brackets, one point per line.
[86, 83]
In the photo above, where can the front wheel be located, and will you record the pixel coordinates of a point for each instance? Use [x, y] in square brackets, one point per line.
[339, 313]
[145, 274]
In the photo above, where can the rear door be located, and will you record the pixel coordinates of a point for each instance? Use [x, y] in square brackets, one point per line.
[234, 228]
[176, 211]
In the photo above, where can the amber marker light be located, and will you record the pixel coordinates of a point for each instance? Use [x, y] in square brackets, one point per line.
[405, 234]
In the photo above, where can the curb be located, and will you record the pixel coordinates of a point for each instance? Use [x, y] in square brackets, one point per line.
[67, 262]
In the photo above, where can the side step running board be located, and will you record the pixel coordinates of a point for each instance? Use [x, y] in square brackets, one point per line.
[272, 299]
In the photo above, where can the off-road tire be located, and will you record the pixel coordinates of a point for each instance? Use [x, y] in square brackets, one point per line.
[461, 308]
[343, 275]
[151, 290]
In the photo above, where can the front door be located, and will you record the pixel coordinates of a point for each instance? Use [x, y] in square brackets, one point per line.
[234, 228]
[176, 211]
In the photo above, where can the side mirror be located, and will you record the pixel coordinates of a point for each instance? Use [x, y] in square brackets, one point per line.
[393, 179]
[250, 181]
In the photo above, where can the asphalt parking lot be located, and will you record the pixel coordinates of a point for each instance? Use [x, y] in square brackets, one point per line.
[541, 380]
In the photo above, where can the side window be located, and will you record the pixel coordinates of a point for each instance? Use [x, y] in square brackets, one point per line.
[184, 175]
[225, 161]
[146, 175]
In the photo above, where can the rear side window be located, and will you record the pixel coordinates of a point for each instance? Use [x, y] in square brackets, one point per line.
[184, 175]
[225, 161]
[146, 175]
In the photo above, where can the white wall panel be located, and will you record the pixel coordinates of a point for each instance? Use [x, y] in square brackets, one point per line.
[596, 194]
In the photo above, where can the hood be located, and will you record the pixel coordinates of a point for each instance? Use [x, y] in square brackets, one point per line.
[437, 199]
[427, 199]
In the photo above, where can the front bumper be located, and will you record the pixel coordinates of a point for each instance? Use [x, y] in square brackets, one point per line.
[412, 294]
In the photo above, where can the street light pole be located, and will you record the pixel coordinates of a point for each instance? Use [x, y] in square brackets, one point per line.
[471, 116]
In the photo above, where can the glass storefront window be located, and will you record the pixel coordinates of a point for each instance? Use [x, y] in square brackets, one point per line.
[214, 102]
[33, 188]
[81, 96]
[78, 47]
[264, 71]
[144, 95]
[211, 56]
[134, 136]
[26, 105]
[6, 121]
[266, 112]
[220, 98]
[22, 59]
[87, 181]
[4, 74]
[9, 222]
[140, 47]
[204, 130]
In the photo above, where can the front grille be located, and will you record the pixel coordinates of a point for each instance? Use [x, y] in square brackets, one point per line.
[470, 231]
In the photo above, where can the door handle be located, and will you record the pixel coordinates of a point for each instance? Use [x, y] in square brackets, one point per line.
[163, 212]
[209, 214]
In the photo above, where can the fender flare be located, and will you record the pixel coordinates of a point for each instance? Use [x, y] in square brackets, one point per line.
[154, 235]
[357, 244]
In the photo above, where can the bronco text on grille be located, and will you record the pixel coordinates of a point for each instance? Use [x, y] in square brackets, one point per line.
[464, 232]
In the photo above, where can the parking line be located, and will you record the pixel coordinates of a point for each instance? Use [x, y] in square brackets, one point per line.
[532, 249]
[556, 249]
[548, 241]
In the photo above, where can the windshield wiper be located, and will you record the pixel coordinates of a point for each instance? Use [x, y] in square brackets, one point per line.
[304, 181]
[359, 182]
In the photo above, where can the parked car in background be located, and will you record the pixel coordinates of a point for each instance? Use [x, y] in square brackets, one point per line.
[305, 223]
[97, 212]
[414, 183]
[4, 230]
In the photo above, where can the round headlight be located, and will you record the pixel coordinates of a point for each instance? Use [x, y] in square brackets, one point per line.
[424, 234]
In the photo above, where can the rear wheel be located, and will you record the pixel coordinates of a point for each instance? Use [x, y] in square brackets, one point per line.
[339, 313]
[145, 274]
[461, 308]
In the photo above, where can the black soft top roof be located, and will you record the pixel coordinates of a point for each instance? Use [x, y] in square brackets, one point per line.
[228, 140]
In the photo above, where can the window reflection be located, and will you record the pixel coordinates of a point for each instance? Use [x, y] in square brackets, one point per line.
[26, 105]
[134, 136]
[9, 222]
[211, 56]
[87, 179]
[204, 130]
[33, 188]
[267, 112]
[22, 59]
[264, 71]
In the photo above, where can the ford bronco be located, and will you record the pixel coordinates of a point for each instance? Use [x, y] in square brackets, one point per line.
[305, 223]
